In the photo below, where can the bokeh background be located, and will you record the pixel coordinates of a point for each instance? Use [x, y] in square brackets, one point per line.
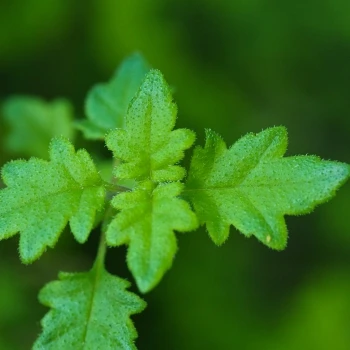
[236, 66]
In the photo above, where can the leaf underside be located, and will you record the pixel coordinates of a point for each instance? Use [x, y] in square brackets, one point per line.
[33, 122]
[106, 104]
[89, 311]
[42, 196]
[148, 149]
[251, 186]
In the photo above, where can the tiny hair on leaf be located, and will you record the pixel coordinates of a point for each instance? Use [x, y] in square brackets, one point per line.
[252, 186]
[42, 196]
[148, 147]
[146, 222]
[137, 193]
[89, 311]
[148, 150]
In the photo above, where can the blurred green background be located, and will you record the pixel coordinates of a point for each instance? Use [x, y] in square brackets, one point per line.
[236, 66]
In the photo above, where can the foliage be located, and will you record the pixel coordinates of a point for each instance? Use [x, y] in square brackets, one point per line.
[146, 146]
[106, 104]
[148, 216]
[88, 311]
[42, 196]
[34, 123]
[250, 185]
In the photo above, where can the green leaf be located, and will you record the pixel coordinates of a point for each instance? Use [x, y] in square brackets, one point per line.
[252, 186]
[42, 196]
[33, 122]
[88, 311]
[106, 104]
[147, 147]
[146, 223]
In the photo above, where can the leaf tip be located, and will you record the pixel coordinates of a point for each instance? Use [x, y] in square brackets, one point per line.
[146, 283]
[278, 243]
[28, 257]
[279, 129]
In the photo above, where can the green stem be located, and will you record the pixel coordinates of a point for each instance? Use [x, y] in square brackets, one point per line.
[97, 269]
[112, 190]
[102, 247]
[101, 252]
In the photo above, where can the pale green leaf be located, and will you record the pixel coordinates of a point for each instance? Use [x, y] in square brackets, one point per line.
[147, 146]
[89, 311]
[106, 104]
[33, 122]
[42, 196]
[252, 186]
[146, 223]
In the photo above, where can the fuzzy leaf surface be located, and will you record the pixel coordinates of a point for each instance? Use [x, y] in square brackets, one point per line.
[42, 196]
[106, 104]
[148, 147]
[33, 122]
[251, 186]
[89, 311]
[146, 223]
